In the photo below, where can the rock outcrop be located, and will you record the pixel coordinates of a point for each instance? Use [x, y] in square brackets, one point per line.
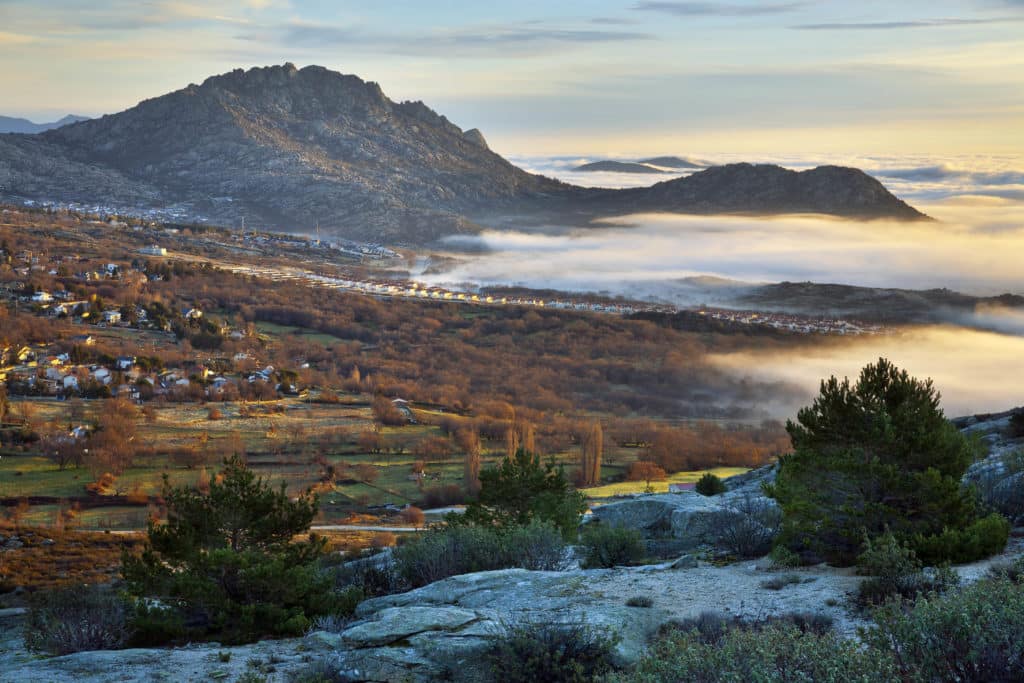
[425, 633]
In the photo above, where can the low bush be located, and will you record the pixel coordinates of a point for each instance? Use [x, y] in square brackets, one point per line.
[1017, 425]
[777, 583]
[709, 485]
[973, 634]
[440, 553]
[154, 625]
[749, 526]
[327, 670]
[711, 627]
[443, 496]
[640, 601]
[772, 653]
[1010, 570]
[610, 546]
[372, 579]
[982, 538]
[533, 652]
[894, 571]
[1001, 488]
[76, 619]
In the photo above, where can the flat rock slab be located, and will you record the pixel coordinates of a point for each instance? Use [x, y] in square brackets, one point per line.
[393, 624]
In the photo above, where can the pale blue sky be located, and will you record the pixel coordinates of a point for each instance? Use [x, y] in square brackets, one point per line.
[602, 76]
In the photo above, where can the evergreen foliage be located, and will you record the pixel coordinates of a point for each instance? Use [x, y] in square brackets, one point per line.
[522, 490]
[226, 561]
[873, 456]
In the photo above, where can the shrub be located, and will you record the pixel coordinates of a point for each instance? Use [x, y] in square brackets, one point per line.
[777, 583]
[534, 652]
[877, 455]
[1011, 571]
[214, 414]
[76, 619]
[369, 578]
[1001, 488]
[640, 601]
[412, 515]
[895, 572]
[1017, 425]
[748, 527]
[711, 627]
[973, 634]
[440, 553]
[537, 546]
[522, 490]
[155, 625]
[610, 546]
[443, 496]
[984, 537]
[327, 670]
[225, 561]
[769, 654]
[709, 485]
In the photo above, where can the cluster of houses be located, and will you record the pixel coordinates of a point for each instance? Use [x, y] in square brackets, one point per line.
[794, 323]
[38, 371]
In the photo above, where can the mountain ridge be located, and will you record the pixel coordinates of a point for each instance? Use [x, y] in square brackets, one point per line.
[288, 148]
[13, 124]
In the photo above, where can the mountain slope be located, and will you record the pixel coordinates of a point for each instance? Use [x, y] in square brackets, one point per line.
[10, 124]
[618, 167]
[288, 148]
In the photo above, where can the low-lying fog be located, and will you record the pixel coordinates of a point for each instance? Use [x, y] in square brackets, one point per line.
[975, 371]
[975, 247]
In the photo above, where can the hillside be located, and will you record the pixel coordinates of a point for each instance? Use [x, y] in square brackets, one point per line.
[618, 167]
[10, 124]
[290, 148]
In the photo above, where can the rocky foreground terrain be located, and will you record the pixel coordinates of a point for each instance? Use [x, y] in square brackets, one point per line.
[291, 148]
[429, 633]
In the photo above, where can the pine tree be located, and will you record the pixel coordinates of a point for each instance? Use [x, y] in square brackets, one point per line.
[227, 560]
[874, 456]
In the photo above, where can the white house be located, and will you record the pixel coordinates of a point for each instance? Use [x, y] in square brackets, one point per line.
[42, 297]
[112, 317]
[70, 382]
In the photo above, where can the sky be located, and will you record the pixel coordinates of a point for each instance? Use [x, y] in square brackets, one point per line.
[596, 77]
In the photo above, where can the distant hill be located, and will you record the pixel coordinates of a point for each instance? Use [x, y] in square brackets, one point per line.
[10, 124]
[290, 148]
[673, 162]
[618, 167]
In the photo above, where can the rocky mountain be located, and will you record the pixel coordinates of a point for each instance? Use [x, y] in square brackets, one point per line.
[10, 124]
[618, 167]
[674, 162]
[770, 189]
[288, 148]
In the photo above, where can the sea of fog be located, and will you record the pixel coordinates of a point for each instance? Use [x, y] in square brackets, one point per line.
[975, 371]
[976, 246]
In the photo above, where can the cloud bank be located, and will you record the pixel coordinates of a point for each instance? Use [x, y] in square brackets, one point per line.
[975, 371]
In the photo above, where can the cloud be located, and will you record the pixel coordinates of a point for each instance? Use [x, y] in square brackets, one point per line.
[717, 9]
[499, 39]
[940, 172]
[975, 371]
[15, 38]
[890, 25]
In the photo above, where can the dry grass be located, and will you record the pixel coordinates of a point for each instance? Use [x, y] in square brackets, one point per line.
[73, 558]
